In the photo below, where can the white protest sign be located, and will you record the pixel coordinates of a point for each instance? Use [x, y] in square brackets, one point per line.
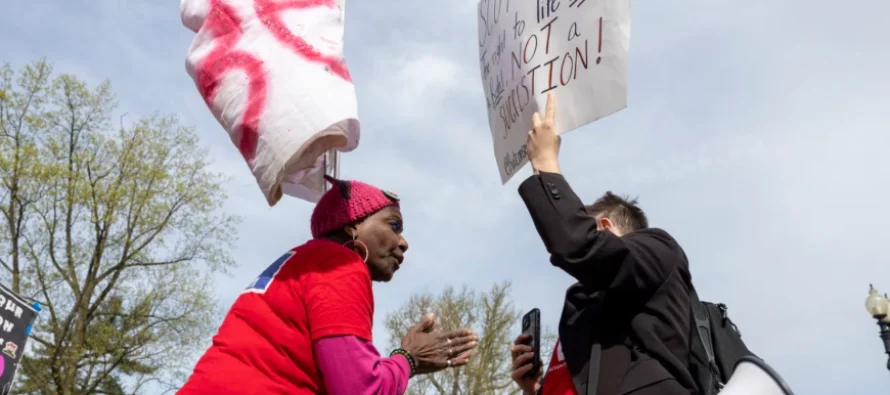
[576, 49]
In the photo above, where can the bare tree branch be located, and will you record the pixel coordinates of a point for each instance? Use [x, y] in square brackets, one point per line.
[113, 228]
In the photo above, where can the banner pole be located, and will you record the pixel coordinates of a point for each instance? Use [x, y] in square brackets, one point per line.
[331, 165]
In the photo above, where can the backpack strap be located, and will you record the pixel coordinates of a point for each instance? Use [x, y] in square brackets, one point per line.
[703, 329]
[725, 316]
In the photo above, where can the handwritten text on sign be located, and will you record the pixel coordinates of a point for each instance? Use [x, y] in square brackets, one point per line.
[527, 48]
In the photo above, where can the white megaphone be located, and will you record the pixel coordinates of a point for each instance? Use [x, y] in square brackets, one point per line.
[752, 376]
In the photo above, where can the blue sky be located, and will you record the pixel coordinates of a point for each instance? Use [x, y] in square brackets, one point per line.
[755, 133]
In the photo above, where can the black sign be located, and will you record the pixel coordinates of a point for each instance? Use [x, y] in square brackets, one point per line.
[16, 316]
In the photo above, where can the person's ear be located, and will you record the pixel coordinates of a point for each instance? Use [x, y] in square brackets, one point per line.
[605, 224]
[351, 231]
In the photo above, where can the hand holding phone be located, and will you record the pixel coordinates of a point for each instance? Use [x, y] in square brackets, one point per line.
[526, 354]
[531, 327]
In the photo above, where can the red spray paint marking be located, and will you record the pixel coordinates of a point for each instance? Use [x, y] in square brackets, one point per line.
[269, 12]
[224, 25]
[599, 47]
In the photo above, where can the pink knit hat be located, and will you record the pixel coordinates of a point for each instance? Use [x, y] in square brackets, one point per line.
[348, 202]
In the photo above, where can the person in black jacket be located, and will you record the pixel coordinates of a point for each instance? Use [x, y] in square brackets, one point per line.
[625, 324]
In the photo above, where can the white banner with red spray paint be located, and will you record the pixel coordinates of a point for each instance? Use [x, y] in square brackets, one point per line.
[273, 74]
[527, 48]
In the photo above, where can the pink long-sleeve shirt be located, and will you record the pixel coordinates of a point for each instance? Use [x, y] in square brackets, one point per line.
[352, 366]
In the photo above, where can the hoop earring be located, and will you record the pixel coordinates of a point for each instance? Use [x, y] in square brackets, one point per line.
[356, 243]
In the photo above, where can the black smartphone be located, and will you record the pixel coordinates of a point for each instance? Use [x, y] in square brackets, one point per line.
[531, 326]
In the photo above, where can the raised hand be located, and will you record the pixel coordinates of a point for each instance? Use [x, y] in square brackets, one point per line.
[434, 351]
[542, 144]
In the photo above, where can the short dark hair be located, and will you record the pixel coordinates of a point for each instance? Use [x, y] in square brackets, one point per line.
[622, 211]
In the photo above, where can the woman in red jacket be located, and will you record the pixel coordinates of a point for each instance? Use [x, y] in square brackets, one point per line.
[304, 325]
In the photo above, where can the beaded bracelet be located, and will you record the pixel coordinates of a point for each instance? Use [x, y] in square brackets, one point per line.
[411, 362]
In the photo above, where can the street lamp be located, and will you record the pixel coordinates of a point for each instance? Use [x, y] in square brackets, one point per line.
[878, 307]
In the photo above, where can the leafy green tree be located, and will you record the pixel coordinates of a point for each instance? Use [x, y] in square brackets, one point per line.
[492, 315]
[116, 230]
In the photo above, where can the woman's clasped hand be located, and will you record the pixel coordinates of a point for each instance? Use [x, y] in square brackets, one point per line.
[434, 350]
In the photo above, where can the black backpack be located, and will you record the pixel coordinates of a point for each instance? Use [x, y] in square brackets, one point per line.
[715, 346]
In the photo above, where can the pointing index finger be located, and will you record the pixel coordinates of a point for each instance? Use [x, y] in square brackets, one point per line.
[550, 116]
